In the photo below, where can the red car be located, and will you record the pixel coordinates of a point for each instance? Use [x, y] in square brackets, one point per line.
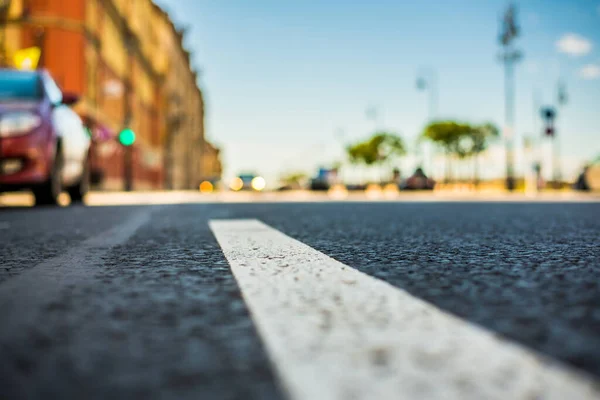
[44, 146]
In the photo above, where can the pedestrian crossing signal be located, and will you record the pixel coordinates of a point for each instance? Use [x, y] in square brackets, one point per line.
[127, 137]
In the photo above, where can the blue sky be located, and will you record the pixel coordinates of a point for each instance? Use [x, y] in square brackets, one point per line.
[286, 82]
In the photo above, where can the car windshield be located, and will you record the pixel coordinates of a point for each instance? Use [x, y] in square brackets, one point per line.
[19, 85]
[246, 177]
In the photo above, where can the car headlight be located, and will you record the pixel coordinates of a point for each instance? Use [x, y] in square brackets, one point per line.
[236, 184]
[258, 183]
[18, 123]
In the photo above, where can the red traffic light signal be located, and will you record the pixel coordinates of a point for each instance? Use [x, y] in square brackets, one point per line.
[550, 131]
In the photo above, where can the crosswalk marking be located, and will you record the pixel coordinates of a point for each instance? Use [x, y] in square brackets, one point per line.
[333, 332]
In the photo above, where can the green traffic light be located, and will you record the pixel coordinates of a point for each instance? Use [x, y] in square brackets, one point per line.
[127, 137]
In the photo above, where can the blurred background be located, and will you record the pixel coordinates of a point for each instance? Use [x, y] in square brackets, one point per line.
[269, 95]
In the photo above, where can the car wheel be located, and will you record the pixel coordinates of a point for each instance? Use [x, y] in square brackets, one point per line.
[78, 191]
[49, 191]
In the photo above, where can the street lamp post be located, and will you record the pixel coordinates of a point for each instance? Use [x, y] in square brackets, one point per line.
[561, 102]
[510, 55]
[373, 114]
[427, 81]
[340, 137]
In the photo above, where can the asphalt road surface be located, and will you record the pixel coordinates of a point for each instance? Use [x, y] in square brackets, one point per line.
[307, 300]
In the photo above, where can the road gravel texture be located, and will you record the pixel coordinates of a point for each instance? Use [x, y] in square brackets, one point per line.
[163, 316]
[162, 319]
[29, 236]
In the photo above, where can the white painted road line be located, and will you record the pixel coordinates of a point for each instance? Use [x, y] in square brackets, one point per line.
[22, 295]
[333, 332]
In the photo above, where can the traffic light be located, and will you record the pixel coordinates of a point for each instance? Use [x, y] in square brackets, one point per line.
[127, 137]
[548, 115]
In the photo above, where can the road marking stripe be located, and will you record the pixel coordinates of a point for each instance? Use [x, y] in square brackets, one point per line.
[333, 332]
[21, 296]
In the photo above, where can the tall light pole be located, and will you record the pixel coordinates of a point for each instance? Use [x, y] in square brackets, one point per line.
[340, 136]
[373, 114]
[427, 81]
[561, 100]
[510, 55]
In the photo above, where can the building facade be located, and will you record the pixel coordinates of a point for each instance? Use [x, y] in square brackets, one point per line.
[211, 167]
[126, 60]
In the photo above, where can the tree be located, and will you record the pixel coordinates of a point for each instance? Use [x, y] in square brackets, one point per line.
[388, 145]
[382, 146]
[462, 140]
[481, 136]
[448, 135]
[361, 153]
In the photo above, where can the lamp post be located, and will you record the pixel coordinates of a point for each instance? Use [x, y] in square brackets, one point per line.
[427, 81]
[561, 102]
[510, 55]
[372, 113]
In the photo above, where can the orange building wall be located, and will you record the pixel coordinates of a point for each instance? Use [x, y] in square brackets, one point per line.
[63, 50]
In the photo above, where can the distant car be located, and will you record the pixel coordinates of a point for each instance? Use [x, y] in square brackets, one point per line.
[318, 184]
[417, 181]
[251, 182]
[43, 144]
[589, 178]
[592, 175]
[325, 178]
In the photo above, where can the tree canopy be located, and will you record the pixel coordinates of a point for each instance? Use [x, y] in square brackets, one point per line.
[377, 149]
[482, 135]
[459, 138]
